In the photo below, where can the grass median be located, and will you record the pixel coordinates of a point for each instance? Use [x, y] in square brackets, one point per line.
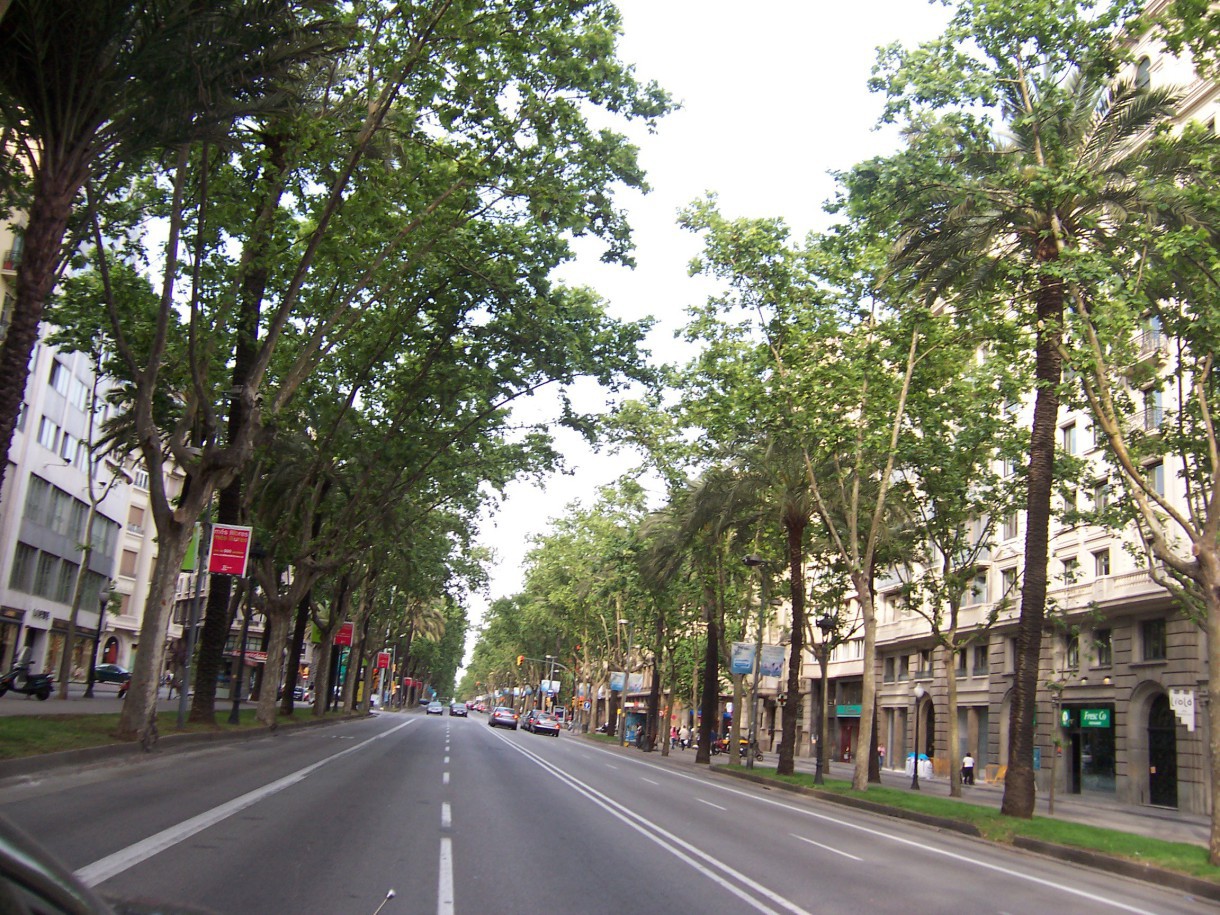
[34, 735]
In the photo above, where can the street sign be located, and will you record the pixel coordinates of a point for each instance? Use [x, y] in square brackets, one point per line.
[230, 549]
[383, 660]
[344, 635]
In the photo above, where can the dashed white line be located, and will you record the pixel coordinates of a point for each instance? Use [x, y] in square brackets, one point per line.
[710, 804]
[649, 780]
[445, 779]
[825, 847]
[444, 883]
[446, 816]
[446, 760]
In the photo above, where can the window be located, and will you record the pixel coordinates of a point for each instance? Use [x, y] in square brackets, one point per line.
[1156, 478]
[1009, 579]
[981, 661]
[1010, 527]
[1071, 651]
[1152, 337]
[887, 675]
[65, 581]
[60, 517]
[1101, 496]
[67, 448]
[59, 377]
[21, 578]
[48, 434]
[1152, 639]
[1143, 73]
[1010, 654]
[127, 565]
[1154, 409]
[44, 574]
[135, 519]
[978, 589]
[1071, 570]
[1067, 438]
[925, 663]
[37, 497]
[78, 394]
[1103, 646]
[904, 667]
[960, 662]
[1101, 563]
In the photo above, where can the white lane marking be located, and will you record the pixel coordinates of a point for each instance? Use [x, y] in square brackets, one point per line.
[446, 816]
[710, 804]
[878, 833]
[676, 846]
[445, 779]
[649, 780]
[825, 847]
[611, 766]
[444, 882]
[446, 760]
[111, 865]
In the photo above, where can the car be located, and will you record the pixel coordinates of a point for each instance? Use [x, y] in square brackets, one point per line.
[111, 673]
[435, 708]
[458, 709]
[302, 694]
[503, 717]
[540, 722]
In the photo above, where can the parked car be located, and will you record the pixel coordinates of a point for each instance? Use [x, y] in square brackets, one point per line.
[502, 717]
[458, 709]
[540, 722]
[111, 673]
[435, 708]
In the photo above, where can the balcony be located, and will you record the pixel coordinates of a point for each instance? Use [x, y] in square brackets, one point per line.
[12, 261]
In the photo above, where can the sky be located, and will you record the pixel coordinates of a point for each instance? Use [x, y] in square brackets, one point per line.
[774, 97]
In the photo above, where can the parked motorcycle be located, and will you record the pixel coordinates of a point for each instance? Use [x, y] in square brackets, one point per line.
[742, 749]
[19, 680]
[720, 746]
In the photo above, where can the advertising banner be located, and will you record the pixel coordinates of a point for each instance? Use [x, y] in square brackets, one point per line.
[344, 635]
[772, 660]
[743, 658]
[230, 549]
[618, 680]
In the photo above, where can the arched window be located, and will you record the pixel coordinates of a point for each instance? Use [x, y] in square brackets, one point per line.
[1143, 73]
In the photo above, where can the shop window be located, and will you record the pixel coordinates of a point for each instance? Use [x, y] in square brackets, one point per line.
[1152, 640]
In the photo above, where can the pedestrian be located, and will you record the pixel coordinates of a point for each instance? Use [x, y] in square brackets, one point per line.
[684, 737]
[673, 736]
[967, 769]
[881, 756]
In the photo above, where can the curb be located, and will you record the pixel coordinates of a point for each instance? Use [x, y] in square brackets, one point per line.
[1136, 870]
[26, 766]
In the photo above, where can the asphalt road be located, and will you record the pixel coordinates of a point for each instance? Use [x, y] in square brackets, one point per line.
[459, 818]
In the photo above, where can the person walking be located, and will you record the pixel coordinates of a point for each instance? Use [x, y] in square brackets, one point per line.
[684, 737]
[968, 769]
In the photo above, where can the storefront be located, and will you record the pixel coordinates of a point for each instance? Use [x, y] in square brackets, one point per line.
[1089, 748]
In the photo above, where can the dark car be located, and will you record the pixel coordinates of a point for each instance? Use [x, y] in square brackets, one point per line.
[458, 709]
[111, 673]
[541, 722]
[502, 717]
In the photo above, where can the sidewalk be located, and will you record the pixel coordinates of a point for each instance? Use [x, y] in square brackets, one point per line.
[105, 700]
[1094, 810]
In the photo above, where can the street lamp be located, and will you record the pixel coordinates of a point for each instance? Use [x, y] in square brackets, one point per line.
[103, 601]
[918, 691]
[826, 625]
[756, 561]
[622, 711]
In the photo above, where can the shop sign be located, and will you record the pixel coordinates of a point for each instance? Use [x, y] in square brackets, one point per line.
[848, 711]
[1182, 701]
[383, 660]
[1094, 717]
[344, 635]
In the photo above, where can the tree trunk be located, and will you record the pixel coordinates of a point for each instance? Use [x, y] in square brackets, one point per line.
[955, 774]
[868, 688]
[1210, 565]
[711, 690]
[55, 187]
[295, 648]
[796, 576]
[278, 618]
[1019, 781]
[739, 694]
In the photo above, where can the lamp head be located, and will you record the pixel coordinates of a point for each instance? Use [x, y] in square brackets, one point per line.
[754, 560]
[918, 690]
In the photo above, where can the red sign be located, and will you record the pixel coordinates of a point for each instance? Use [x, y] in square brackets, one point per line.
[344, 635]
[230, 549]
[383, 660]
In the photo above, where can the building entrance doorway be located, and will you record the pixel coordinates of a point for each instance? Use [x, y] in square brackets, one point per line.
[1162, 754]
[847, 738]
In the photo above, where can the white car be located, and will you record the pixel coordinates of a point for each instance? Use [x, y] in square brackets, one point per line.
[435, 708]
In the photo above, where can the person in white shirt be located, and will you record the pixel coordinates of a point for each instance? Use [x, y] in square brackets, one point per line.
[967, 769]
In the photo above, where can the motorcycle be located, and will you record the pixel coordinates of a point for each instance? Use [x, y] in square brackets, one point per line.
[19, 680]
[720, 746]
[742, 749]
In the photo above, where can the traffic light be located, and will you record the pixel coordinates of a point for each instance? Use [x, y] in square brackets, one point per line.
[520, 659]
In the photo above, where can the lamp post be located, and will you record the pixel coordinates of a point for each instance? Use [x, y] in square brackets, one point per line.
[918, 691]
[756, 561]
[622, 710]
[826, 625]
[103, 601]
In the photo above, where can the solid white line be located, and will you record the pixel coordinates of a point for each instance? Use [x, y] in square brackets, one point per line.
[825, 847]
[919, 844]
[710, 804]
[446, 816]
[444, 882]
[111, 865]
[676, 846]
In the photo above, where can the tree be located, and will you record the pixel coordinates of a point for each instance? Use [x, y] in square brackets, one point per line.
[997, 210]
[91, 84]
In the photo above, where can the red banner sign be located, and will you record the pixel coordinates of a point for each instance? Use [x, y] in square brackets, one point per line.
[344, 635]
[383, 660]
[230, 549]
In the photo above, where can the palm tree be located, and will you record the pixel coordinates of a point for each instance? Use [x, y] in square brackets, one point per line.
[88, 84]
[1006, 214]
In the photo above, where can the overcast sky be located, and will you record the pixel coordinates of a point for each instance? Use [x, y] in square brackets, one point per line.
[774, 97]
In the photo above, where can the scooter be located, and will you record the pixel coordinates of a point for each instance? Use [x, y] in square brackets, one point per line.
[743, 749]
[20, 681]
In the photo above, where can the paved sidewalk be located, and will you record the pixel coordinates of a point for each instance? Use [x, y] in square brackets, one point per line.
[1095, 810]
